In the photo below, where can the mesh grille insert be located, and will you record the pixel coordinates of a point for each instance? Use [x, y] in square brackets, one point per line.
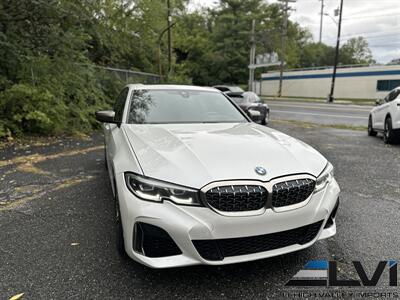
[237, 197]
[292, 192]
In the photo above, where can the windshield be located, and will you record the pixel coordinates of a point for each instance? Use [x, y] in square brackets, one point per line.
[237, 98]
[251, 97]
[181, 106]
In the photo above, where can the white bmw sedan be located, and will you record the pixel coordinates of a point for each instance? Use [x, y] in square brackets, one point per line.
[385, 118]
[196, 182]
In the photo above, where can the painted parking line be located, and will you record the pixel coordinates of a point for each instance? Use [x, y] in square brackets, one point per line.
[335, 104]
[320, 115]
[319, 107]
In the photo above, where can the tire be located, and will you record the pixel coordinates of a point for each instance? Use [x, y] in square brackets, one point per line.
[105, 158]
[264, 121]
[388, 133]
[371, 131]
[119, 232]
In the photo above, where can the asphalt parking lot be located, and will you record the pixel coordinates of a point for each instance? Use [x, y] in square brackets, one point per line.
[57, 234]
[321, 113]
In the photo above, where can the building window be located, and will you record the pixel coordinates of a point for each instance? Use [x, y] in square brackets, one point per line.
[387, 85]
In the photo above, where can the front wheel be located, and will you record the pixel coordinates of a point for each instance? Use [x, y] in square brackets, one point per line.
[105, 158]
[388, 133]
[371, 131]
[119, 232]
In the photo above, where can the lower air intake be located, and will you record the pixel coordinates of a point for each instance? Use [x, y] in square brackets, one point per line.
[153, 241]
[221, 248]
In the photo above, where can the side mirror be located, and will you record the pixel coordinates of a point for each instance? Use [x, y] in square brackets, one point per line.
[105, 116]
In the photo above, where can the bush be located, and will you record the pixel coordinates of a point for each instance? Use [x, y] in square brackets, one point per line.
[59, 102]
[26, 109]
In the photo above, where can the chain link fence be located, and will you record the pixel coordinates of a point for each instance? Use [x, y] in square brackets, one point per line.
[123, 75]
[129, 76]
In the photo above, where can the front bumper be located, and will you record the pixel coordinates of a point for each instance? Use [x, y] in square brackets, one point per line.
[184, 224]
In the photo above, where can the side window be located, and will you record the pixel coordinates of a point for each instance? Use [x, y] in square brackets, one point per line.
[255, 98]
[120, 104]
[252, 99]
[388, 98]
[396, 94]
[393, 95]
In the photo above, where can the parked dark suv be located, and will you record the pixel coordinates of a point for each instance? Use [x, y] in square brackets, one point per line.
[249, 102]
[229, 89]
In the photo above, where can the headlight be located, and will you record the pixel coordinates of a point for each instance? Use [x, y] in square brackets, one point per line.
[324, 178]
[155, 190]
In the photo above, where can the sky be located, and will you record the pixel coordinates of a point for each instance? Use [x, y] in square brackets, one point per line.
[377, 20]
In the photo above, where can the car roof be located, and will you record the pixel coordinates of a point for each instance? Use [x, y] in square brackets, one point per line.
[170, 87]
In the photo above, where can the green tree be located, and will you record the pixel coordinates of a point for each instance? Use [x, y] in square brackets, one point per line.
[212, 46]
[316, 55]
[49, 49]
[356, 51]
[48, 84]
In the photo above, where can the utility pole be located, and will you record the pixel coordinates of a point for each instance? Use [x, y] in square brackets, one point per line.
[159, 47]
[322, 18]
[252, 55]
[286, 8]
[169, 21]
[330, 97]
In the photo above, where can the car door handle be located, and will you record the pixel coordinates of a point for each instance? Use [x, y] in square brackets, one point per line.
[398, 104]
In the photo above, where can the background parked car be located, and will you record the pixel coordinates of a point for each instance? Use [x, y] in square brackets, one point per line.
[385, 117]
[252, 105]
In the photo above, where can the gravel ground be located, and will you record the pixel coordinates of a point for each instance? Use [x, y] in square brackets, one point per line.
[57, 234]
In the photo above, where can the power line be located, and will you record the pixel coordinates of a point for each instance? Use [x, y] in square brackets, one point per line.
[363, 11]
[385, 45]
[370, 16]
[373, 38]
[390, 36]
[371, 34]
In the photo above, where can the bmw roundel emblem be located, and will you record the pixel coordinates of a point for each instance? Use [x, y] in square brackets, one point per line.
[260, 171]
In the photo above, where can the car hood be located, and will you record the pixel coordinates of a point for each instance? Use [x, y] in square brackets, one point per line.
[196, 154]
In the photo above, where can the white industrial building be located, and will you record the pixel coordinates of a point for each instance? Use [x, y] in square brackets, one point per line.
[351, 82]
